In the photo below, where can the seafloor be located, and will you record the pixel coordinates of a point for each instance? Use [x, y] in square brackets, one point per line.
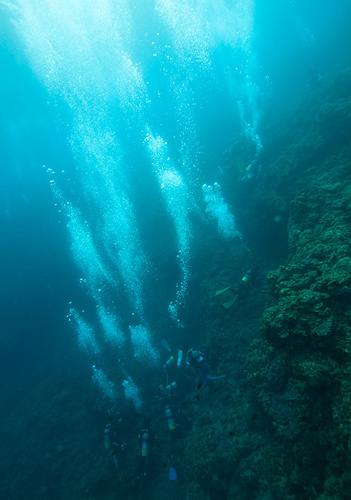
[279, 425]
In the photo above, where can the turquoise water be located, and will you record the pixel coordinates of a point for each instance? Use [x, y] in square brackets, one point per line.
[118, 204]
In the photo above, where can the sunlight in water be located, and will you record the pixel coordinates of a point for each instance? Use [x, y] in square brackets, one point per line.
[87, 54]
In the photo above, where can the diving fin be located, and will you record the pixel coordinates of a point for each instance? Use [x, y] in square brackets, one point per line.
[219, 292]
[229, 304]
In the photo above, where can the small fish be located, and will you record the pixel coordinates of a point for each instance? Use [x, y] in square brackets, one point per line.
[199, 385]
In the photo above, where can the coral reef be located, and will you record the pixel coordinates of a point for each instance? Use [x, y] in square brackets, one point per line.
[300, 368]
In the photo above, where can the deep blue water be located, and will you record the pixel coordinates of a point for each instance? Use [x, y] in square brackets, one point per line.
[113, 117]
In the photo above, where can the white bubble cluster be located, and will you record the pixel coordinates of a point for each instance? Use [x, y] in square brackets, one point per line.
[107, 387]
[85, 253]
[250, 126]
[131, 392]
[189, 27]
[87, 55]
[218, 209]
[112, 332]
[179, 203]
[143, 349]
[86, 335]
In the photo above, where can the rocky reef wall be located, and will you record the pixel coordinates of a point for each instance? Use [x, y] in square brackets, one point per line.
[301, 367]
[279, 425]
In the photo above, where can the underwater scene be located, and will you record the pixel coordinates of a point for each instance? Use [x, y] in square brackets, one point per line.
[175, 214]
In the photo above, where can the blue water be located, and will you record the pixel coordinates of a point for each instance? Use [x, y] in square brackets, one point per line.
[115, 197]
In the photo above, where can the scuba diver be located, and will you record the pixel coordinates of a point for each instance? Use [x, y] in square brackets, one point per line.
[252, 172]
[247, 281]
[196, 360]
[173, 394]
[145, 465]
[144, 437]
[175, 382]
[243, 289]
[114, 447]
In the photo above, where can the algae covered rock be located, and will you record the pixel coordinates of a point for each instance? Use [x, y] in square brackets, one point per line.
[300, 368]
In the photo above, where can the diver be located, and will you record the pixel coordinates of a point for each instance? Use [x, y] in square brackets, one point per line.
[243, 289]
[118, 448]
[174, 376]
[247, 281]
[196, 359]
[146, 465]
[252, 172]
[144, 437]
[114, 447]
